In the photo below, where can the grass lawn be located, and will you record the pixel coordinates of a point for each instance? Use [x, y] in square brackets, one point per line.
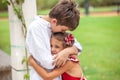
[99, 37]
[3, 14]
[4, 35]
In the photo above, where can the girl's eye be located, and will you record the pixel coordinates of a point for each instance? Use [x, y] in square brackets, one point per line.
[50, 45]
[57, 46]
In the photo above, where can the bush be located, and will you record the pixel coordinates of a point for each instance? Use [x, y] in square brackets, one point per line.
[47, 4]
[3, 7]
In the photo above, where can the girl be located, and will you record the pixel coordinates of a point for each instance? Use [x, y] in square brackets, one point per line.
[71, 70]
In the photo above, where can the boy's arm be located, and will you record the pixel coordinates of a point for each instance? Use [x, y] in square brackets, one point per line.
[61, 57]
[54, 73]
[38, 45]
[78, 46]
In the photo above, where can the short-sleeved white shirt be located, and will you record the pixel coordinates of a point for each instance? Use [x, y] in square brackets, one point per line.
[38, 45]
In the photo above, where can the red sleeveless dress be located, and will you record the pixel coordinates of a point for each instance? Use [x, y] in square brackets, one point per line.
[66, 76]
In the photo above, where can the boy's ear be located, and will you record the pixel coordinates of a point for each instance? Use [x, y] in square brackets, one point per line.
[54, 21]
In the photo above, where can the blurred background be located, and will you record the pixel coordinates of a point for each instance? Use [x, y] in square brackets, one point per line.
[98, 33]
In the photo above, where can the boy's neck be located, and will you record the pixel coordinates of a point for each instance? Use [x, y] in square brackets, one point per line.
[47, 18]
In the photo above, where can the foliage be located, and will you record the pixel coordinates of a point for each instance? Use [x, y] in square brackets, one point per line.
[41, 4]
[47, 4]
[102, 2]
[3, 7]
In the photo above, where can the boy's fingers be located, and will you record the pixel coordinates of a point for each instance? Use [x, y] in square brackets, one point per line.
[63, 63]
[54, 60]
[60, 62]
[57, 62]
[54, 57]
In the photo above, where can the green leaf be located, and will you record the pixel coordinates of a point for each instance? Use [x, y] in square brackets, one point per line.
[27, 76]
[23, 61]
[18, 1]
[22, 1]
[6, 2]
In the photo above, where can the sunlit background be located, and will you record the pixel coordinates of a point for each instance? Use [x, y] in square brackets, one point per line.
[98, 33]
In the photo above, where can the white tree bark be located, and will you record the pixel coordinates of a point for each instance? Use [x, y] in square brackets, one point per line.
[17, 38]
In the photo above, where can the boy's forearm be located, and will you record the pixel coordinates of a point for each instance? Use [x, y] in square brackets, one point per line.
[72, 50]
[61, 57]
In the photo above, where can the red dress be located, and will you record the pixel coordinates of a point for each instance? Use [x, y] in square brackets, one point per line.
[66, 76]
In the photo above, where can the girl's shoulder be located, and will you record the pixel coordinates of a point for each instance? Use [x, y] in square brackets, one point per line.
[73, 59]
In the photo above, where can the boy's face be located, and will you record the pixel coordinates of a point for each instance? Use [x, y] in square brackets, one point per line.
[56, 45]
[58, 28]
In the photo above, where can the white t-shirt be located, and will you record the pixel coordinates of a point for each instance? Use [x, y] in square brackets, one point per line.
[38, 45]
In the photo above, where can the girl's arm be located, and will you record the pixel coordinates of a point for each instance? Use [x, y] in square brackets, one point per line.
[54, 73]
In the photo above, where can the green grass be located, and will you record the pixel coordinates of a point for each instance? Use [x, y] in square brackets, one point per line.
[43, 12]
[4, 36]
[4, 14]
[100, 38]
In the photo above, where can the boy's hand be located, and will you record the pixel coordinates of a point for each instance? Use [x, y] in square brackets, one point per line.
[61, 58]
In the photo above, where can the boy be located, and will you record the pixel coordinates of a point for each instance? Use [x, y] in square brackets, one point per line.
[64, 16]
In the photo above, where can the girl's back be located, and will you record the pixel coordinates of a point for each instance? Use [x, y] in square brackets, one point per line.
[75, 71]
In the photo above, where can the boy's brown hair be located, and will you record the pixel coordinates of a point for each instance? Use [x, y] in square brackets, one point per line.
[66, 13]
